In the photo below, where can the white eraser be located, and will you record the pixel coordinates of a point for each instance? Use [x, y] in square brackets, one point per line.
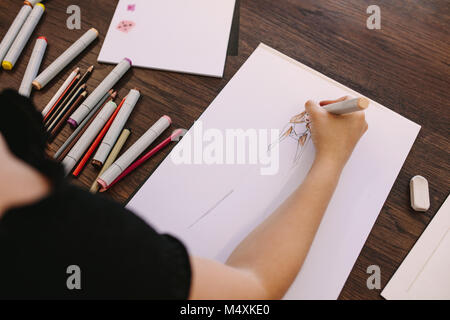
[420, 195]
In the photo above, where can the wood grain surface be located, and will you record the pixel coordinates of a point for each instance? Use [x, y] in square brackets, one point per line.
[404, 66]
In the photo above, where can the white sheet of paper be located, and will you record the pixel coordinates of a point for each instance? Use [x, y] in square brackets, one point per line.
[265, 93]
[188, 36]
[424, 274]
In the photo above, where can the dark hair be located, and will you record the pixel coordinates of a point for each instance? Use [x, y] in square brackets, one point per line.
[22, 127]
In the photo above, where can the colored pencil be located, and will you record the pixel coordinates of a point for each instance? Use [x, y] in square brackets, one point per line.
[60, 91]
[64, 118]
[97, 141]
[63, 96]
[71, 94]
[59, 114]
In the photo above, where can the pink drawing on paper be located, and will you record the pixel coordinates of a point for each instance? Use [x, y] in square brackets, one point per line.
[131, 7]
[126, 26]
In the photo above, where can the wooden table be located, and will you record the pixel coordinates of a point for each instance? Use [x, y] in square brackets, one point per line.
[404, 66]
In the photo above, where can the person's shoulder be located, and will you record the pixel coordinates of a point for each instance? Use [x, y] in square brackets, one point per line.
[86, 200]
[82, 203]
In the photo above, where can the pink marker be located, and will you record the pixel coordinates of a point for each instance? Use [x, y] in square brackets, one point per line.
[144, 158]
[125, 160]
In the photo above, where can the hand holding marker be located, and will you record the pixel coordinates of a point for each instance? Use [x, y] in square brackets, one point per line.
[347, 106]
[112, 176]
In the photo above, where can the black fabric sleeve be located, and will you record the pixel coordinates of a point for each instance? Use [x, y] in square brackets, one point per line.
[120, 256]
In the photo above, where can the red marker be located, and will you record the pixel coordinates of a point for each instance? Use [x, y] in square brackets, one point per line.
[97, 141]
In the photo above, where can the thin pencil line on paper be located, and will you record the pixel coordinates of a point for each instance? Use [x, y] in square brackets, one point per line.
[211, 209]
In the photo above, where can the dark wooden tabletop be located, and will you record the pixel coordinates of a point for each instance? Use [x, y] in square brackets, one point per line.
[405, 66]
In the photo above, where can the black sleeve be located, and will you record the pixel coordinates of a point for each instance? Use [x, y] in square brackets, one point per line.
[119, 255]
[143, 263]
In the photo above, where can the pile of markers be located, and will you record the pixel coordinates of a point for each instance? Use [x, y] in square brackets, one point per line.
[98, 122]
[18, 36]
[99, 126]
[16, 39]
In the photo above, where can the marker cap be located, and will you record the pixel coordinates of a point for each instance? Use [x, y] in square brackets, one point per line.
[36, 85]
[41, 5]
[168, 118]
[95, 30]
[72, 123]
[363, 103]
[129, 60]
[102, 183]
[7, 65]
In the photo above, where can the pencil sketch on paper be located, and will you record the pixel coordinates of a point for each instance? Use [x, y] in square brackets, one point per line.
[299, 129]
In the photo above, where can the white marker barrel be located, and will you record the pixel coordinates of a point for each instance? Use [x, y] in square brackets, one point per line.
[23, 37]
[88, 136]
[134, 151]
[347, 106]
[63, 60]
[60, 91]
[116, 128]
[33, 66]
[99, 92]
[80, 127]
[33, 2]
[14, 30]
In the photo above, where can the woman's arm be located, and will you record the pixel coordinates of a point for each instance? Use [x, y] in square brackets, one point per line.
[265, 264]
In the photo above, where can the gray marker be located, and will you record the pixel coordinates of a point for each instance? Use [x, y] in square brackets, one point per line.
[33, 66]
[63, 60]
[99, 92]
[134, 151]
[14, 30]
[116, 128]
[23, 37]
[348, 106]
[88, 136]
